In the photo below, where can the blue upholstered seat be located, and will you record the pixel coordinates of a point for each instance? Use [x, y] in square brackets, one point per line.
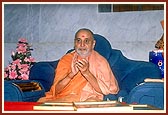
[129, 73]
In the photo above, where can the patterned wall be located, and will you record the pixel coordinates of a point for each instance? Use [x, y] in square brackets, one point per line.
[50, 28]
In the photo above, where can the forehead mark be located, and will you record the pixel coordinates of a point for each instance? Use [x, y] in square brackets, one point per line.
[83, 35]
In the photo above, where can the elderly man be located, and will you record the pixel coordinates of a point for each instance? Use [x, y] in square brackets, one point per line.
[83, 74]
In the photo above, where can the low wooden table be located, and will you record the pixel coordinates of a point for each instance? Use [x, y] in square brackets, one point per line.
[21, 107]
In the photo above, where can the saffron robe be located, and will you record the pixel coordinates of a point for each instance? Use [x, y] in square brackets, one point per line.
[79, 89]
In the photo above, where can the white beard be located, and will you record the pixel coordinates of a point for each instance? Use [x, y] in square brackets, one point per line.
[83, 52]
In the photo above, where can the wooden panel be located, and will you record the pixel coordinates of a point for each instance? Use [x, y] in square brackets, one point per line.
[136, 7]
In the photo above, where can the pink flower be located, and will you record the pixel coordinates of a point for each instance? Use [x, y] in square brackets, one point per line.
[8, 68]
[21, 45]
[19, 77]
[13, 75]
[13, 67]
[24, 77]
[5, 75]
[23, 66]
[21, 49]
[16, 62]
[32, 59]
[20, 67]
[28, 72]
[23, 40]
[24, 70]
[27, 59]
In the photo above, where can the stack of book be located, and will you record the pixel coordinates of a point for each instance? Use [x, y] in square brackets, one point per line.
[103, 106]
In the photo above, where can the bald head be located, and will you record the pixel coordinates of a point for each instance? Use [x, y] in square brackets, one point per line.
[86, 30]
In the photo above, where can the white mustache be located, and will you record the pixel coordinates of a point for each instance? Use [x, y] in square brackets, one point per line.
[82, 48]
[83, 52]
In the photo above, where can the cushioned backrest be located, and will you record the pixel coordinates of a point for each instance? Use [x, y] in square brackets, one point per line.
[102, 46]
[44, 72]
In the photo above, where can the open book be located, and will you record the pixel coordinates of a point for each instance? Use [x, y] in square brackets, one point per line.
[58, 106]
[104, 106]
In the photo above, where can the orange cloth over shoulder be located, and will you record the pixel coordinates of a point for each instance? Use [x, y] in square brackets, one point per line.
[79, 89]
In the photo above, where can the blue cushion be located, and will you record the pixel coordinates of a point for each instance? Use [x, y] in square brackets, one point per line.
[102, 46]
[109, 97]
[121, 94]
[139, 73]
[151, 93]
[12, 92]
[44, 72]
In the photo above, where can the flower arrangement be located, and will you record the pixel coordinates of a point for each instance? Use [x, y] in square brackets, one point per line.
[22, 62]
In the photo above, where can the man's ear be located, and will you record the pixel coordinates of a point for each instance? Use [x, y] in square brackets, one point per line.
[94, 43]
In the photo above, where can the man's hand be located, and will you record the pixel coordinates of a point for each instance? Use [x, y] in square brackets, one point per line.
[82, 65]
[75, 68]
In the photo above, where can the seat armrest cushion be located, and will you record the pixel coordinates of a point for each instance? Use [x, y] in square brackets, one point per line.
[151, 93]
[25, 93]
[139, 73]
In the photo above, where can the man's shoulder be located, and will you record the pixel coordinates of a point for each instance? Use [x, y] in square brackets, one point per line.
[68, 55]
[101, 61]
